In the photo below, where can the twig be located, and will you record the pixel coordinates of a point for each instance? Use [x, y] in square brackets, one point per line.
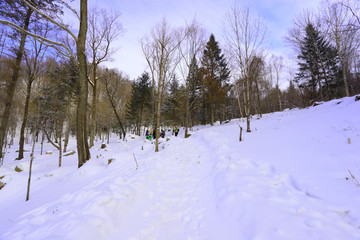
[135, 161]
[354, 178]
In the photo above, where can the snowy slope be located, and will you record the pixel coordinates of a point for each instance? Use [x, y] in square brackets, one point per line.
[288, 179]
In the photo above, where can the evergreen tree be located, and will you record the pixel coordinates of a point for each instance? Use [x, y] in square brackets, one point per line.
[194, 82]
[172, 109]
[318, 65]
[215, 78]
[140, 101]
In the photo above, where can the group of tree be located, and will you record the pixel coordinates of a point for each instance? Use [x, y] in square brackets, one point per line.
[53, 83]
[46, 66]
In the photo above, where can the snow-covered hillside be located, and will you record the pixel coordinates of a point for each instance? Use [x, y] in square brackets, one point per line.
[288, 179]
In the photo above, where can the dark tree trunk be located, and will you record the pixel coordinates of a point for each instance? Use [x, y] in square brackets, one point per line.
[81, 136]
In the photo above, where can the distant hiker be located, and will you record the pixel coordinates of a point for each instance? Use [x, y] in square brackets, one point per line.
[162, 134]
[148, 135]
[175, 130]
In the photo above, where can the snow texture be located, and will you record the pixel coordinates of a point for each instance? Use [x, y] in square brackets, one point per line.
[288, 179]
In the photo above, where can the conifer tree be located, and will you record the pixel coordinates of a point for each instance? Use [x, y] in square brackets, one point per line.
[194, 82]
[318, 65]
[140, 101]
[215, 77]
[173, 103]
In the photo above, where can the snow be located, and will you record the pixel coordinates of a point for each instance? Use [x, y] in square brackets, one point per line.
[288, 179]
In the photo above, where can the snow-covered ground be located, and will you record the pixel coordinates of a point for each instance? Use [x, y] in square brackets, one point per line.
[288, 179]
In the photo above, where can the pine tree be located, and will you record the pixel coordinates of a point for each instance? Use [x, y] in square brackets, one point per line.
[215, 78]
[318, 65]
[172, 109]
[140, 101]
[194, 82]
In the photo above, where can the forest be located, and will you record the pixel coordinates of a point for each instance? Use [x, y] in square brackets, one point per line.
[54, 83]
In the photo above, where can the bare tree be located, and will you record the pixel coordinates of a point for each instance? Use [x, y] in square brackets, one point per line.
[296, 34]
[104, 28]
[340, 27]
[244, 34]
[112, 81]
[160, 52]
[277, 65]
[189, 50]
[33, 59]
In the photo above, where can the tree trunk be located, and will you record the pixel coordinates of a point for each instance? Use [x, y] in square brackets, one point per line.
[42, 143]
[12, 84]
[259, 110]
[82, 98]
[60, 146]
[211, 114]
[30, 168]
[94, 103]
[187, 111]
[23, 125]
[67, 134]
[344, 72]
[238, 100]
[158, 116]
[247, 106]
[279, 97]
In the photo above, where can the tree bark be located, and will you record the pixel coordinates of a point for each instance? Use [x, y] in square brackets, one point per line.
[12, 84]
[81, 136]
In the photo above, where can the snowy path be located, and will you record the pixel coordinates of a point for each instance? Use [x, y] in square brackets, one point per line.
[197, 194]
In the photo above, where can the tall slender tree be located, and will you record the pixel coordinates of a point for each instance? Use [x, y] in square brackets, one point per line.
[244, 33]
[34, 65]
[104, 28]
[160, 52]
[215, 77]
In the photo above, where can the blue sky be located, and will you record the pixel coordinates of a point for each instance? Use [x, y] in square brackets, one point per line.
[139, 16]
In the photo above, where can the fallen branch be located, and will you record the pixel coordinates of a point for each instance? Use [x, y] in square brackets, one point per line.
[137, 166]
[354, 179]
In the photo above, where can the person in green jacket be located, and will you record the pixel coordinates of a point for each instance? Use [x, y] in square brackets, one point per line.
[175, 130]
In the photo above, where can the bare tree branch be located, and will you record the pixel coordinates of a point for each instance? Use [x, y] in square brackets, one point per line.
[50, 19]
[41, 39]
